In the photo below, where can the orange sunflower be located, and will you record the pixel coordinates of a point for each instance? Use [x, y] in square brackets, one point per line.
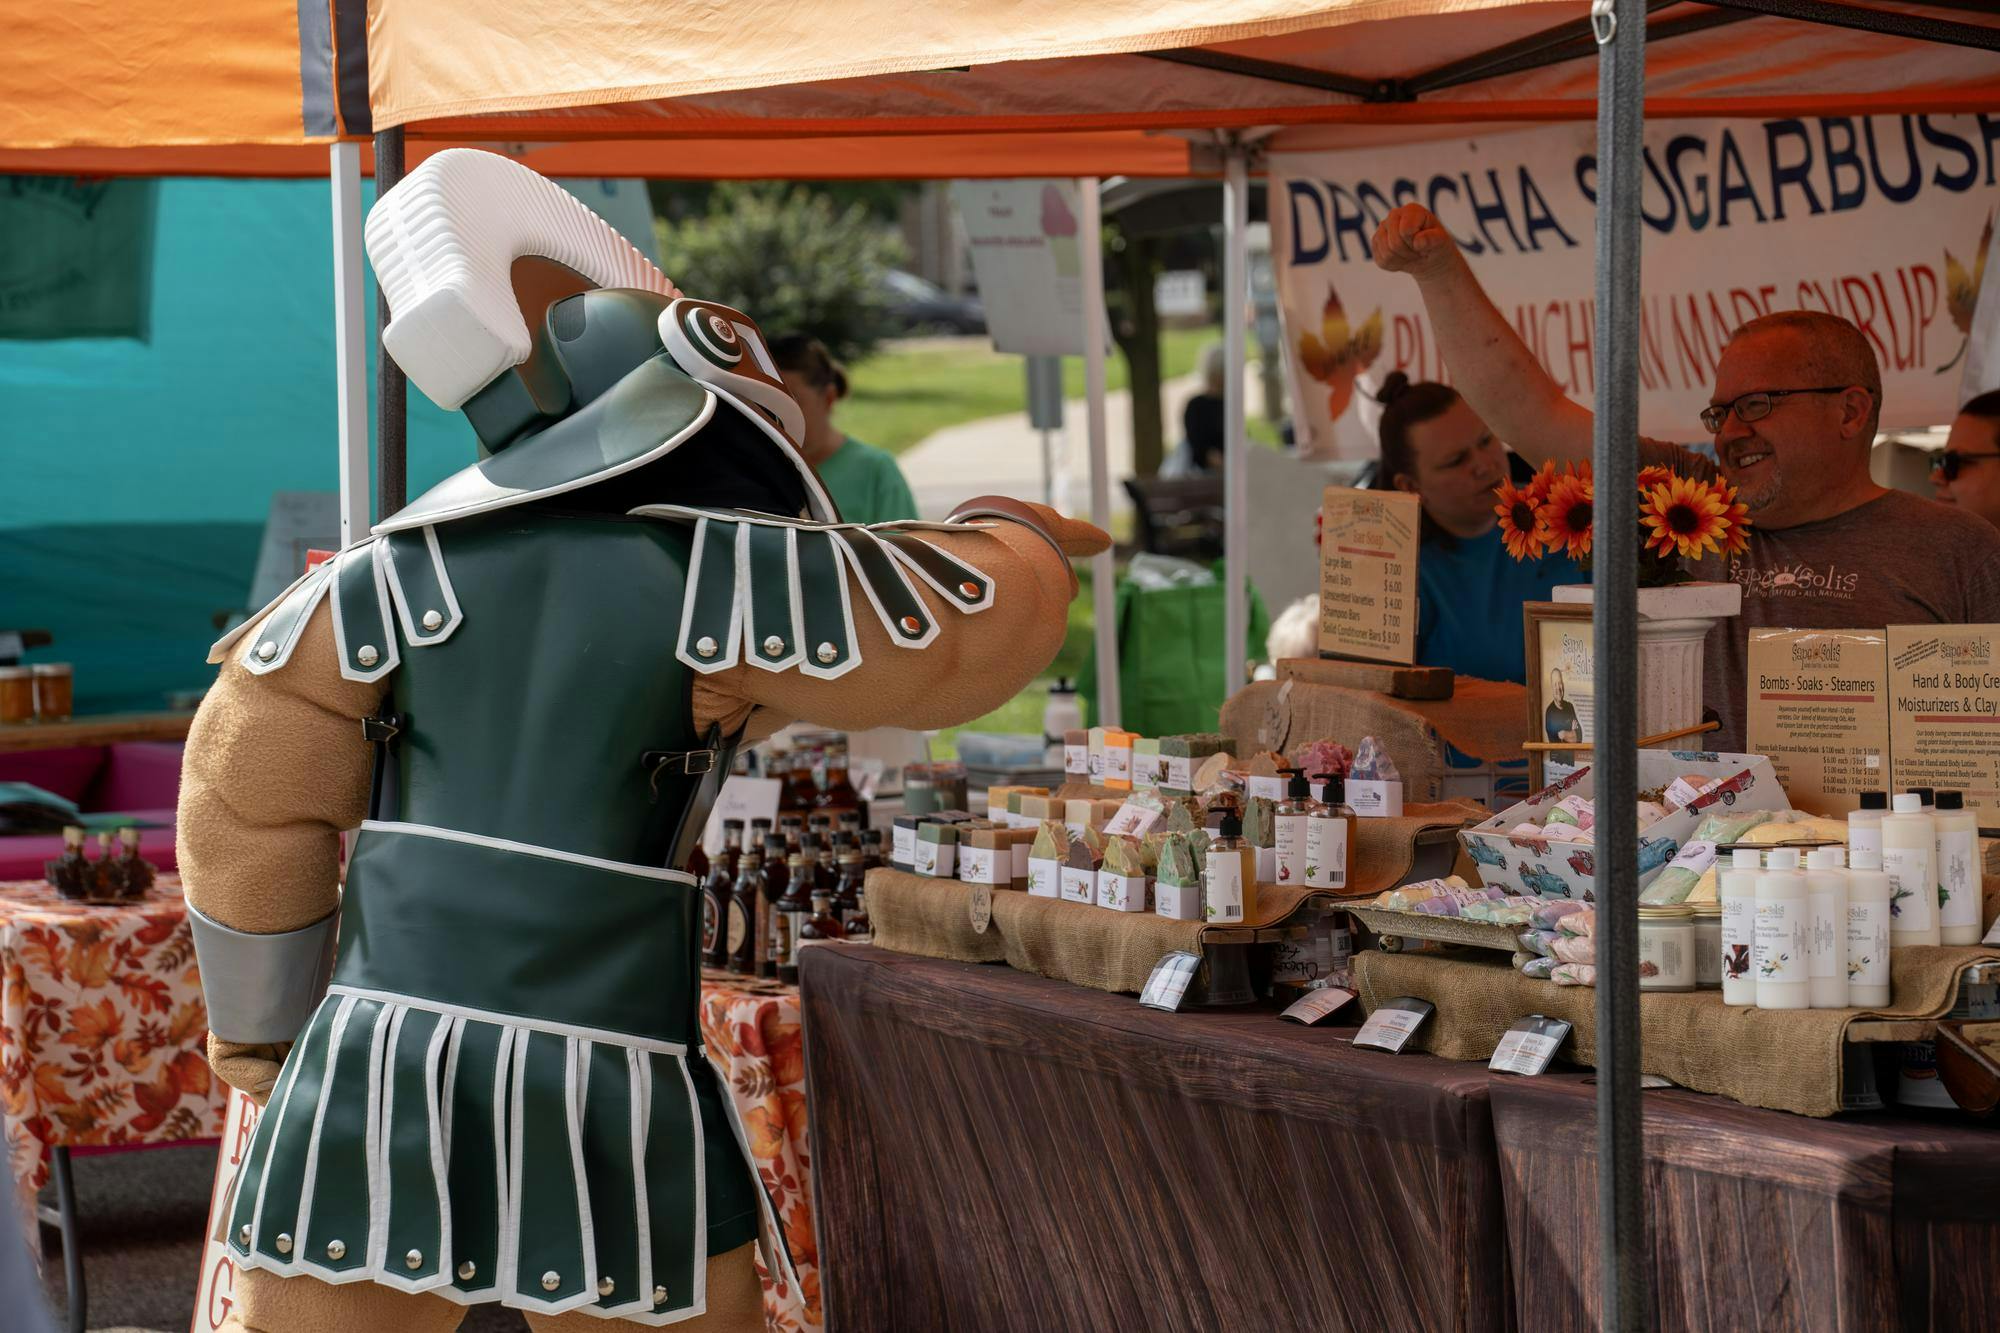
[1738, 518]
[1520, 523]
[1687, 517]
[1566, 514]
[1649, 477]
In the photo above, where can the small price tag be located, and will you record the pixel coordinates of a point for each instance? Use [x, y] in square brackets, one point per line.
[1390, 1027]
[1171, 977]
[1529, 1046]
[1317, 1005]
[981, 908]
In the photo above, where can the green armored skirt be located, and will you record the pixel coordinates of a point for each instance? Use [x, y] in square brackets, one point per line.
[502, 1097]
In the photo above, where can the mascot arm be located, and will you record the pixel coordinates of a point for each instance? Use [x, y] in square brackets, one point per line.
[976, 663]
[275, 769]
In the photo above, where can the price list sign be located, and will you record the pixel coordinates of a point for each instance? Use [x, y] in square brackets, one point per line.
[1819, 710]
[1368, 575]
[1944, 723]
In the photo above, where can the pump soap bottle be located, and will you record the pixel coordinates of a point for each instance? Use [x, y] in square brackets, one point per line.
[1909, 845]
[1299, 806]
[1330, 838]
[1229, 880]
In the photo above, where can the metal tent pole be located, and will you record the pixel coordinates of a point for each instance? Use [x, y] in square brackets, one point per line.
[1620, 27]
[1235, 475]
[350, 352]
[392, 387]
[1103, 575]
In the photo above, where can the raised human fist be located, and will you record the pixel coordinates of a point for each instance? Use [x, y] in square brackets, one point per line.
[1412, 240]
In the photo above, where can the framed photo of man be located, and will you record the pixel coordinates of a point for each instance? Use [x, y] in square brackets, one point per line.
[1562, 687]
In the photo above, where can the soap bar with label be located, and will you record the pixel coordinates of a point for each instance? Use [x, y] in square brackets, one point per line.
[1180, 756]
[936, 850]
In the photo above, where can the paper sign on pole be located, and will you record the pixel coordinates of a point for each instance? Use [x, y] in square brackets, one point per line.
[1882, 220]
[1368, 574]
[1029, 260]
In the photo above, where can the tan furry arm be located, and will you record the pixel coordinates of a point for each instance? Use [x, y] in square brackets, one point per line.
[976, 664]
[275, 769]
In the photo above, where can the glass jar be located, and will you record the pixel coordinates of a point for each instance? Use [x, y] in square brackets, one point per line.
[1666, 948]
[1707, 945]
[55, 691]
[17, 694]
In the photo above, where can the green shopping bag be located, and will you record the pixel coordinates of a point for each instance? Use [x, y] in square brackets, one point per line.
[1170, 656]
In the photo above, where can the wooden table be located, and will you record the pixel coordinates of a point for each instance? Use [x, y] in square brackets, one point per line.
[1007, 1152]
[101, 729]
[1013, 1153]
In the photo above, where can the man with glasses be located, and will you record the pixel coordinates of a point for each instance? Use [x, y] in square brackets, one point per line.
[1967, 474]
[1793, 414]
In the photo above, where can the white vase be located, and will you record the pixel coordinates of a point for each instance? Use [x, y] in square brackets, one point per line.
[1673, 631]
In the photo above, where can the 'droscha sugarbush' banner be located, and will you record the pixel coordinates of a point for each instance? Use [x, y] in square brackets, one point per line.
[1884, 220]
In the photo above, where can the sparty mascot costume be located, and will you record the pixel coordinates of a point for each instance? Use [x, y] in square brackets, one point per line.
[483, 1075]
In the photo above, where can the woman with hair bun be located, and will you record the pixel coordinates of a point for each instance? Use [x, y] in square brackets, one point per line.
[1469, 589]
[863, 480]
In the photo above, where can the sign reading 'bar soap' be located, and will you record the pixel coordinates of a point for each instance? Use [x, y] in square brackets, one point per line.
[1368, 574]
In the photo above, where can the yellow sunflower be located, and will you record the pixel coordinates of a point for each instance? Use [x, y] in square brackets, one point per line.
[1687, 518]
[1566, 514]
[1520, 524]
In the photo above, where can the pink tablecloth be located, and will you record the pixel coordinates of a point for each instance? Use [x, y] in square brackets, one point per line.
[751, 1029]
[102, 1028]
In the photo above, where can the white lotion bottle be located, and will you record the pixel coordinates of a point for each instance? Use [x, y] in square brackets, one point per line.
[1736, 885]
[1957, 870]
[1826, 944]
[1864, 826]
[1909, 845]
[1867, 931]
[1783, 981]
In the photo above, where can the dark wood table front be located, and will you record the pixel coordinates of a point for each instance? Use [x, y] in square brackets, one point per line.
[998, 1151]
[1757, 1219]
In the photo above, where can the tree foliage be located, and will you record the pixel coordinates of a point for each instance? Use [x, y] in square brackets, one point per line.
[793, 260]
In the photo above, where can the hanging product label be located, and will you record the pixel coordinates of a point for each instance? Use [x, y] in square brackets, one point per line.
[1390, 1027]
[1318, 1004]
[1168, 983]
[1042, 876]
[1179, 769]
[1529, 1046]
[981, 865]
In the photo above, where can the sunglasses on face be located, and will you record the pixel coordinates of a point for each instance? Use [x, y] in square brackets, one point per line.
[1952, 461]
[1754, 406]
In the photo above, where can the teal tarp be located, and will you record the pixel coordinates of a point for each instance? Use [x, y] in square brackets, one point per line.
[136, 471]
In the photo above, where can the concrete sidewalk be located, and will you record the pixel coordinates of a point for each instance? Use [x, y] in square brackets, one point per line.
[1003, 455]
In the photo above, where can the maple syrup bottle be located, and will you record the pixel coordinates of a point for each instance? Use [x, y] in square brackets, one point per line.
[715, 896]
[776, 931]
[822, 924]
[839, 798]
[741, 938]
[847, 891]
[794, 908]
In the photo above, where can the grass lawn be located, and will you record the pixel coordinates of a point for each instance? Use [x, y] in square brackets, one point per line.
[902, 394]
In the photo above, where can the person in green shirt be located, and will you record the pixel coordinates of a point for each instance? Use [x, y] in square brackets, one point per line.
[863, 480]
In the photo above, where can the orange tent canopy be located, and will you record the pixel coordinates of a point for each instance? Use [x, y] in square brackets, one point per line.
[851, 88]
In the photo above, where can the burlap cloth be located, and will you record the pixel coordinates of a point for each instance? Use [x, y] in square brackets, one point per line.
[1782, 1059]
[1483, 719]
[1114, 951]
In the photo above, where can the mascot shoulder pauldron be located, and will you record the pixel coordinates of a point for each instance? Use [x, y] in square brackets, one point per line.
[484, 1072]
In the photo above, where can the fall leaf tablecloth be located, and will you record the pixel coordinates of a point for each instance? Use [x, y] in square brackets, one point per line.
[751, 1029]
[102, 1028]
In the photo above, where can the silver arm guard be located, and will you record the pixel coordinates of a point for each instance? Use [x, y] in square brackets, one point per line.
[261, 989]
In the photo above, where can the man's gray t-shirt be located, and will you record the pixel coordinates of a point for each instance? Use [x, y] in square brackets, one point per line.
[1896, 560]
